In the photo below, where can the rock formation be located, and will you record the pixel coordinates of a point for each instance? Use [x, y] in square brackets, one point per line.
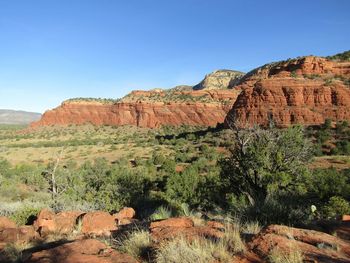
[305, 90]
[147, 109]
[220, 79]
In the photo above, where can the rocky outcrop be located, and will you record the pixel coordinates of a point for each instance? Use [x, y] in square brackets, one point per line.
[98, 223]
[314, 246]
[220, 79]
[48, 222]
[147, 109]
[168, 229]
[81, 251]
[6, 223]
[305, 91]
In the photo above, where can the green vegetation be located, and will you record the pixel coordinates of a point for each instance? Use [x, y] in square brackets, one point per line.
[345, 56]
[100, 100]
[172, 95]
[259, 174]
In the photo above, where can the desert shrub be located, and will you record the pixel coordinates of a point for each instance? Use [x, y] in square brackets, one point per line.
[162, 212]
[112, 187]
[336, 207]
[325, 183]
[341, 126]
[342, 147]
[268, 162]
[25, 215]
[182, 186]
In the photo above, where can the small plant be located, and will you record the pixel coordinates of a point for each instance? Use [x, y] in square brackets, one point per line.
[251, 228]
[293, 74]
[25, 215]
[279, 256]
[162, 212]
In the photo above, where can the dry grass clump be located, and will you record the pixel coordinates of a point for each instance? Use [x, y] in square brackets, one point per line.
[201, 249]
[13, 252]
[136, 243]
[253, 228]
[232, 239]
[279, 256]
[197, 250]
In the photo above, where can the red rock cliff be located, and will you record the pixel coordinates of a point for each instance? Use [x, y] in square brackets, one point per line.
[147, 109]
[306, 91]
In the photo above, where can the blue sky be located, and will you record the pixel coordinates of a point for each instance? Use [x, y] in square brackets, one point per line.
[51, 50]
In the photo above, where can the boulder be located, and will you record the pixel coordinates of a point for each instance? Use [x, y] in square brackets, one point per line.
[216, 225]
[45, 224]
[6, 223]
[174, 227]
[346, 218]
[48, 222]
[98, 223]
[66, 221]
[124, 216]
[22, 234]
[80, 251]
[315, 246]
[173, 222]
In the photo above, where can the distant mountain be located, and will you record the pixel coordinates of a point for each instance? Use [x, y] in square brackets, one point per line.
[219, 79]
[18, 117]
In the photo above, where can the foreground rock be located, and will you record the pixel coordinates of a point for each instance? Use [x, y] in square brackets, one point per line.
[48, 222]
[6, 223]
[19, 235]
[98, 223]
[315, 246]
[80, 251]
[125, 216]
[174, 227]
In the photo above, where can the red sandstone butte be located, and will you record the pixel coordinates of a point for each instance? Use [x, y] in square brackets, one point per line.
[305, 91]
[138, 110]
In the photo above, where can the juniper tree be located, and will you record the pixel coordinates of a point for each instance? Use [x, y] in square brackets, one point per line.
[265, 161]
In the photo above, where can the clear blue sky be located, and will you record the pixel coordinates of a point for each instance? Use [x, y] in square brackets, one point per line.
[51, 50]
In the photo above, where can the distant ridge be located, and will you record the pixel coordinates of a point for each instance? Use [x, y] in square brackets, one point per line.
[18, 117]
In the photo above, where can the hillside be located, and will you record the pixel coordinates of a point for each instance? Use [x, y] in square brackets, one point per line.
[181, 105]
[18, 117]
[305, 90]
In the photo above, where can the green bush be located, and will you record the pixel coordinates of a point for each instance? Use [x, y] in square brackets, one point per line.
[336, 207]
[325, 183]
[25, 215]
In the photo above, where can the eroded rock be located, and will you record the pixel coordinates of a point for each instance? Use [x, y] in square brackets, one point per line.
[81, 251]
[315, 246]
[98, 223]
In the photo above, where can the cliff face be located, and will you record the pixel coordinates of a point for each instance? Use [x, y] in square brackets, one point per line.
[147, 109]
[306, 91]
